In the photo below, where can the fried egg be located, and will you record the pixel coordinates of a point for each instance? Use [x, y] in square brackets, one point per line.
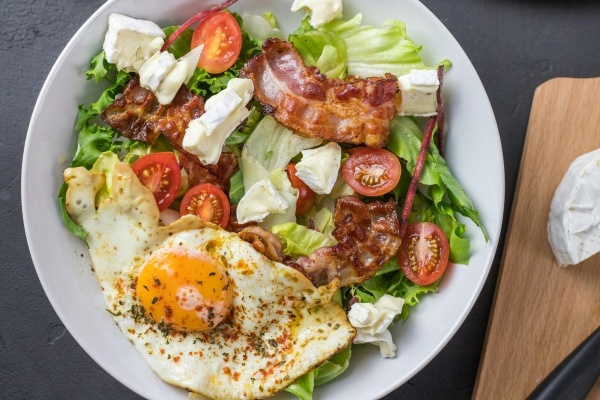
[206, 310]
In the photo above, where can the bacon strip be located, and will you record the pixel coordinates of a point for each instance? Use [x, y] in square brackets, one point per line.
[354, 110]
[138, 115]
[218, 174]
[368, 236]
[263, 241]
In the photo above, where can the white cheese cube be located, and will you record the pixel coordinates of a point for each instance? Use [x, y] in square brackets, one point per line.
[418, 93]
[319, 167]
[383, 340]
[424, 80]
[205, 136]
[574, 220]
[179, 74]
[154, 70]
[372, 320]
[259, 201]
[321, 11]
[129, 42]
[191, 61]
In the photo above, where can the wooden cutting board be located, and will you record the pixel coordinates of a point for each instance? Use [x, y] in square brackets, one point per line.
[541, 312]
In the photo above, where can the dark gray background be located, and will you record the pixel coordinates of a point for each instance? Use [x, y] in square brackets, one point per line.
[514, 44]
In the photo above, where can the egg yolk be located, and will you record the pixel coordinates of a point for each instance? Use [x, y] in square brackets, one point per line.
[188, 292]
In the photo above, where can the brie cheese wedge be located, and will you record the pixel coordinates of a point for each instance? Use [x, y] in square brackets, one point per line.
[321, 11]
[418, 93]
[259, 201]
[372, 320]
[206, 135]
[574, 220]
[319, 167]
[129, 42]
[164, 75]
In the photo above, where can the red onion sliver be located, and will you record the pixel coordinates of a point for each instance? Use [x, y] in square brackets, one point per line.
[440, 111]
[414, 182]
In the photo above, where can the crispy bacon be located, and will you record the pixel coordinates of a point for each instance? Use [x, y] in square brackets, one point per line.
[263, 241]
[233, 225]
[138, 115]
[218, 174]
[354, 110]
[368, 236]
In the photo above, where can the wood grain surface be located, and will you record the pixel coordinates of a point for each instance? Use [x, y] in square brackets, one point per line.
[541, 312]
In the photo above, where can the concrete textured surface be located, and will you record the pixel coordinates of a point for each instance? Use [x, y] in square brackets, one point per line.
[514, 44]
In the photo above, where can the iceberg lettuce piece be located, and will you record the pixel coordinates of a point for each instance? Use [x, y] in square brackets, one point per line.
[273, 146]
[304, 386]
[299, 240]
[323, 49]
[348, 47]
[259, 28]
[377, 51]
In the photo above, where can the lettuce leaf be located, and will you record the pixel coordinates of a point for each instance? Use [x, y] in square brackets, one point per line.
[241, 135]
[304, 386]
[322, 219]
[444, 197]
[99, 67]
[348, 47]
[374, 51]
[299, 240]
[71, 225]
[390, 280]
[94, 139]
[183, 44]
[236, 187]
[261, 27]
[321, 48]
[106, 164]
[206, 84]
[273, 145]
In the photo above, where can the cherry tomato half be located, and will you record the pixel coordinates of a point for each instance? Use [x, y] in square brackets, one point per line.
[423, 253]
[372, 172]
[208, 202]
[222, 39]
[306, 196]
[160, 173]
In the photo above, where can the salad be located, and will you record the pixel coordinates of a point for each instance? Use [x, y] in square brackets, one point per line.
[289, 184]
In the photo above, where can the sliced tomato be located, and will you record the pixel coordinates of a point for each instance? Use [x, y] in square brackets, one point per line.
[424, 252]
[160, 173]
[208, 202]
[222, 39]
[306, 196]
[372, 172]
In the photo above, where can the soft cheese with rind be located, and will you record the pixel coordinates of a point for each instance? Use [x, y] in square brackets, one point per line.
[280, 326]
[574, 220]
[129, 42]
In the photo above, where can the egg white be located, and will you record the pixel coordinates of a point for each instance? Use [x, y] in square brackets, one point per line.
[280, 327]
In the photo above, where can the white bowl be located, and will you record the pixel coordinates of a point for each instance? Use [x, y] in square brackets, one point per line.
[473, 152]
